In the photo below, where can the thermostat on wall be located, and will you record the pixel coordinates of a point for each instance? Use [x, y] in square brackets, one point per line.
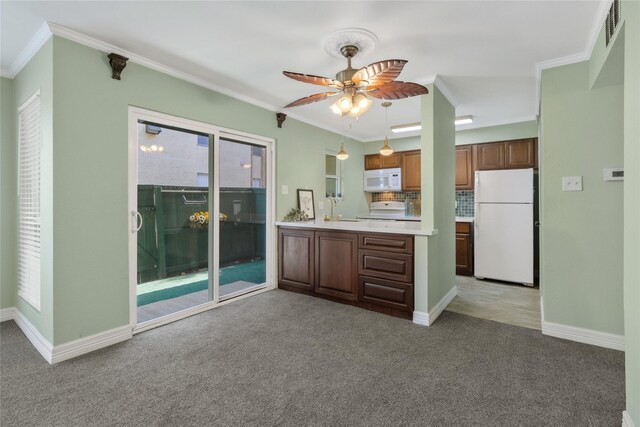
[613, 174]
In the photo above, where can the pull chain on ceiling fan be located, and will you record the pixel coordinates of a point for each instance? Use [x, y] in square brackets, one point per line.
[357, 86]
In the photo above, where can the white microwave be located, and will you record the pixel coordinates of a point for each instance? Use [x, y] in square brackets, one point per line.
[379, 180]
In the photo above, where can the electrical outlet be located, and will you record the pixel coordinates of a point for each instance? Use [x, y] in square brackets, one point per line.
[285, 189]
[571, 183]
[320, 205]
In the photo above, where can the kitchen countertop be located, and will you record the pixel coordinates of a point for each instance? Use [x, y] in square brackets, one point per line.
[404, 218]
[465, 219]
[365, 225]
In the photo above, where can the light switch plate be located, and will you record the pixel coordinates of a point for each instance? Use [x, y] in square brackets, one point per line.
[320, 205]
[285, 189]
[571, 183]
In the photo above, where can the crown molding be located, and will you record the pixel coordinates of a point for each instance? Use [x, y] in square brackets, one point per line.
[37, 41]
[49, 28]
[437, 81]
[102, 46]
[585, 55]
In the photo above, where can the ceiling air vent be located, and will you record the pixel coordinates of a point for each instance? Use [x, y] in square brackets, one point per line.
[613, 19]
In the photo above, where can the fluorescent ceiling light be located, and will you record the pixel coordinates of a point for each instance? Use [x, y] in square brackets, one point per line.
[463, 120]
[406, 128]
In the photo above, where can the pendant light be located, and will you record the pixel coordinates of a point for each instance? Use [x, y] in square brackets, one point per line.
[386, 149]
[342, 154]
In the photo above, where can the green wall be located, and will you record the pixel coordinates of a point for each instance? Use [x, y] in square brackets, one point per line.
[470, 136]
[438, 192]
[400, 144]
[38, 75]
[90, 174]
[581, 232]
[631, 15]
[7, 195]
[498, 133]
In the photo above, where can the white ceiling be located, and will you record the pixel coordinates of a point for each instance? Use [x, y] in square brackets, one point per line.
[484, 53]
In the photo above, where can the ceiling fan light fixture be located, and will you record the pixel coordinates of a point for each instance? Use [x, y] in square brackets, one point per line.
[342, 154]
[345, 103]
[334, 107]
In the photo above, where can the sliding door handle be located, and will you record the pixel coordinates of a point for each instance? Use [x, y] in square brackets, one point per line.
[135, 225]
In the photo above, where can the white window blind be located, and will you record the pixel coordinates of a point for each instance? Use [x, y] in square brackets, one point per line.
[29, 201]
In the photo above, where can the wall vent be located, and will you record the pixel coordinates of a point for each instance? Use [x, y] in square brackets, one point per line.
[613, 19]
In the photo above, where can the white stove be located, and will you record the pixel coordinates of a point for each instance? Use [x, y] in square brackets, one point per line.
[387, 210]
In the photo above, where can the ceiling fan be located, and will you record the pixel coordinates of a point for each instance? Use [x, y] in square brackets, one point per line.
[376, 80]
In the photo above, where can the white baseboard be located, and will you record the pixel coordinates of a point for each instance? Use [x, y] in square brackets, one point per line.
[442, 304]
[427, 319]
[41, 344]
[626, 420]
[586, 336]
[7, 314]
[421, 318]
[91, 343]
[67, 350]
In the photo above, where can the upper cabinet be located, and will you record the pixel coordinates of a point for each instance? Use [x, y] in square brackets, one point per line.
[516, 154]
[411, 170]
[464, 167]
[521, 153]
[377, 161]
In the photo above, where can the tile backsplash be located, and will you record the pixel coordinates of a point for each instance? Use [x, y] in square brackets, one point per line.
[389, 196]
[465, 203]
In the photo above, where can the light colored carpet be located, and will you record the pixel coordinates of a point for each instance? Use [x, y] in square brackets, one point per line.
[280, 358]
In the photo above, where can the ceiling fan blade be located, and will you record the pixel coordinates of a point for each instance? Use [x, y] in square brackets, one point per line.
[311, 99]
[314, 80]
[397, 90]
[380, 72]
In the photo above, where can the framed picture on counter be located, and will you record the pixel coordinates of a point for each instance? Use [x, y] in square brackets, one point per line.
[305, 203]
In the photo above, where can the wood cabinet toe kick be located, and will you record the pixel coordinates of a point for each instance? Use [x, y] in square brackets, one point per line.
[368, 270]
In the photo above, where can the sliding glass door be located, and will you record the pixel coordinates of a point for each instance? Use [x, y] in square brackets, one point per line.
[201, 206]
[243, 208]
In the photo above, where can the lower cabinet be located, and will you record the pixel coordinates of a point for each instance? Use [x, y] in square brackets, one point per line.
[296, 254]
[372, 271]
[336, 265]
[387, 293]
[464, 249]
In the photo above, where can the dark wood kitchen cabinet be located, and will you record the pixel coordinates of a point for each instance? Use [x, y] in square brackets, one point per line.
[464, 248]
[369, 270]
[490, 156]
[378, 161]
[464, 167]
[521, 153]
[411, 170]
[296, 249]
[336, 264]
[515, 154]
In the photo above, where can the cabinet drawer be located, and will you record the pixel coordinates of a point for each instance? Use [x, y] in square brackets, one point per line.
[463, 227]
[387, 242]
[386, 265]
[386, 293]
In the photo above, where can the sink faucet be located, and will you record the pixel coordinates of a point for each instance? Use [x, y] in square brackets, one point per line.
[332, 201]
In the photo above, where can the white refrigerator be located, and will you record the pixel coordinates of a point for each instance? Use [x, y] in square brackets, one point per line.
[503, 242]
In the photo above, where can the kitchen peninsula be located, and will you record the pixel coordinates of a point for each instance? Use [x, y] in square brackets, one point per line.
[366, 263]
